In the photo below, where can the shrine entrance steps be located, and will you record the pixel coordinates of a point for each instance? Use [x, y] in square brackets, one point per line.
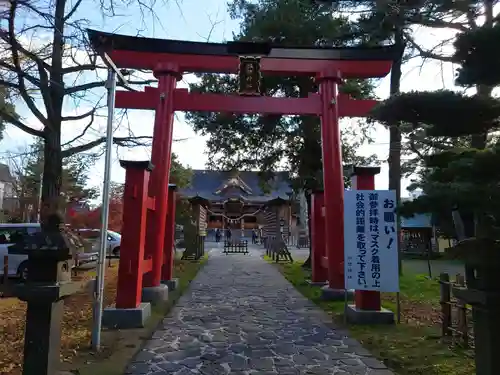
[240, 316]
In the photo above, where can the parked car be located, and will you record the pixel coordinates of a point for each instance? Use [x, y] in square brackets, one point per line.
[93, 235]
[18, 264]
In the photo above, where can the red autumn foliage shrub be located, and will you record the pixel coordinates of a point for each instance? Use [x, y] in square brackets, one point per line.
[92, 219]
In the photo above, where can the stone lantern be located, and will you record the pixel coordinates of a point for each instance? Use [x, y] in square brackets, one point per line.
[50, 261]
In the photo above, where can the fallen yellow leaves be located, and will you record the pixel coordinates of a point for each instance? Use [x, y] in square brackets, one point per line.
[76, 327]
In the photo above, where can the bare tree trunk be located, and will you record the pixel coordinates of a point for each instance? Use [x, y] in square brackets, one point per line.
[310, 138]
[52, 177]
[395, 133]
[479, 140]
[308, 262]
[50, 213]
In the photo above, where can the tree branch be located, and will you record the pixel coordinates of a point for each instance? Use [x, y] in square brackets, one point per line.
[15, 45]
[73, 10]
[80, 117]
[80, 68]
[120, 141]
[414, 149]
[14, 121]
[471, 19]
[437, 23]
[10, 85]
[25, 75]
[92, 114]
[15, 48]
[93, 85]
[84, 87]
[427, 54]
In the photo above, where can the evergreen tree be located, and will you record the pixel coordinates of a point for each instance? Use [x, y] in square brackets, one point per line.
[463, 178]
[179, 174]
[384, 19]
[7, 110]
[28, 174]
[268, 143]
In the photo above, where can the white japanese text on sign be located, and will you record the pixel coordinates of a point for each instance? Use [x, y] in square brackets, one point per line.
[371, 253]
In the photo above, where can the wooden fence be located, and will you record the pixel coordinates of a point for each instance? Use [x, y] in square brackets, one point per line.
[456, 315]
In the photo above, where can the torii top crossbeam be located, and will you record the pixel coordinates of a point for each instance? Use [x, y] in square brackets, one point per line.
[132, 52]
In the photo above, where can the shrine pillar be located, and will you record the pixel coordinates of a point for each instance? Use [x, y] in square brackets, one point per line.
[168, 75]
[167, 272]
[367, 308]
[333, 182]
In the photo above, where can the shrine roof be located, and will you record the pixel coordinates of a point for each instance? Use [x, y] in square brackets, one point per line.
[417, 220]
[211, 185]
[103, 41]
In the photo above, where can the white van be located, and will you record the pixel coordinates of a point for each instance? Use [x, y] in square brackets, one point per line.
[93, 236]
[17, 263]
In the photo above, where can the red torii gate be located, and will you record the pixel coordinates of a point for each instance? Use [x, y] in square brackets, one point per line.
[169, 59]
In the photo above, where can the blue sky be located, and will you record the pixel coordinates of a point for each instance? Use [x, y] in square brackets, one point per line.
[195, 20]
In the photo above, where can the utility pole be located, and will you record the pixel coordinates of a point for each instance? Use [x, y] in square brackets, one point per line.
[39, 204]
[101, 269]
[40, 162]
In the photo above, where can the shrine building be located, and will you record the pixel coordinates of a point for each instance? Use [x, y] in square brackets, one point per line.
[238, 200]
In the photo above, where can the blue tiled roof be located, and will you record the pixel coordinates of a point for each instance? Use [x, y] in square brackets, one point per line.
[417, 221]
[205, 183]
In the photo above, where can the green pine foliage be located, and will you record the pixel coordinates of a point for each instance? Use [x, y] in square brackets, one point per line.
[7, 110]
[478, 53]
[440, 113]
[75, 176]
[268, 143]
[455, 175]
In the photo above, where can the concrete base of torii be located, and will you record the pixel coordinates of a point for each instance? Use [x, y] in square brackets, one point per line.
[171, 284]
[331, 294]
[369, 317]
[317, 283]
[114, 318]
[155, 295]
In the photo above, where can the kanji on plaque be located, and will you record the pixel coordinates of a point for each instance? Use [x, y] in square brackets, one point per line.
[370, 240]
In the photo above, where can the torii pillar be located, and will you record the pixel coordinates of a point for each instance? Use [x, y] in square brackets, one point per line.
[333, 179]
[367, 308]
[168, 74]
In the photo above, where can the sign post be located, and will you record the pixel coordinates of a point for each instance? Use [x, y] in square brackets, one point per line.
[371, 250]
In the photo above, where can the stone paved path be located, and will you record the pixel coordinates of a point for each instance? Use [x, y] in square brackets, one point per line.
[241, 316]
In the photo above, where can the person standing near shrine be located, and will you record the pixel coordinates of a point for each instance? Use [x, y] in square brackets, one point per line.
[228, 234]
[217, 235]
[254, 236]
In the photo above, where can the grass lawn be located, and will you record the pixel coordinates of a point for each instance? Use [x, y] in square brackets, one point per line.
[118, 346]
[410, 348]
